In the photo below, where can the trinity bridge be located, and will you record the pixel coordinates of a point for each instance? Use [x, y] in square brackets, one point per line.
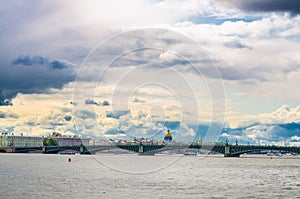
[227, 150]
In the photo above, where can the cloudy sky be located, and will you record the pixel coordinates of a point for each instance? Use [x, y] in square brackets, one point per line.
[109, 69]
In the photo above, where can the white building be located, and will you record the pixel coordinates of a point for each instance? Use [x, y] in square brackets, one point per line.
[20, 141]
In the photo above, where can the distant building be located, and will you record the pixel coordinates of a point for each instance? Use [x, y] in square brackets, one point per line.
[98, 142]
[20, 141]
[63, 140]
[72, 141]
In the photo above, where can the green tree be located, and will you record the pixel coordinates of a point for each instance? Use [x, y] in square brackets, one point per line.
[50, 141]
[45, 141]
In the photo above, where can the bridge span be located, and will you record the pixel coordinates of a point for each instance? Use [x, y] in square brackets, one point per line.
[226, 149]
[148, 148]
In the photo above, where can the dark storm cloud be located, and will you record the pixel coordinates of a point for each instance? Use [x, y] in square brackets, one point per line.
[39, 60]
[59, 64]
[291, 6]
[28, 60]
[5, 102]
[32, 74]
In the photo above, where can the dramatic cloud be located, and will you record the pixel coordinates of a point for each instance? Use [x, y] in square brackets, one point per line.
[291, 6]
[33, 74]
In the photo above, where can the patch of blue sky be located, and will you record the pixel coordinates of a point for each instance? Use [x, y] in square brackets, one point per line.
[200, 19]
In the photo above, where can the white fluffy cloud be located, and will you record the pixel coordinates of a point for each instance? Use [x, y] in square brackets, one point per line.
[284, 114]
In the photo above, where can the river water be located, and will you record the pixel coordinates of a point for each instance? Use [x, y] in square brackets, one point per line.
[161, 176]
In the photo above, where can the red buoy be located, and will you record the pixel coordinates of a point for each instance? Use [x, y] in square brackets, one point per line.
[69, 160]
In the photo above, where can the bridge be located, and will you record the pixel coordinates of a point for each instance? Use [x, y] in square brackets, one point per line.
[226, 149]
[152, 148]
[89, 149]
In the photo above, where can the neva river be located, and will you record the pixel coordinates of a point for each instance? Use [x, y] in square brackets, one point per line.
[128, 176]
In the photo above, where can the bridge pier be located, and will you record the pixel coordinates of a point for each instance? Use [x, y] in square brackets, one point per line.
[141, 149]
[146, 149]
[227, 152]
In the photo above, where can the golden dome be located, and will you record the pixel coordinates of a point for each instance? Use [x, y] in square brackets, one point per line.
[168, 133]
